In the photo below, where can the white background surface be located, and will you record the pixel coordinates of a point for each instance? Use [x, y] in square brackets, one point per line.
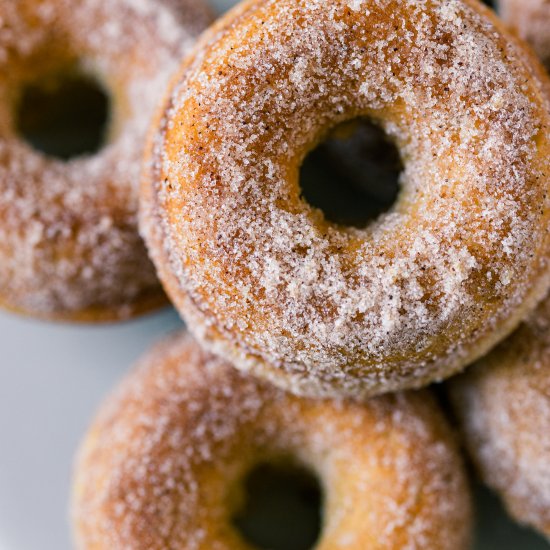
[52, 378]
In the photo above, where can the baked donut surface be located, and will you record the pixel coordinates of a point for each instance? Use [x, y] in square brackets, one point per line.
[69, 245]
[321, 309]
[164, 462]
[531, 19]
[503, 406]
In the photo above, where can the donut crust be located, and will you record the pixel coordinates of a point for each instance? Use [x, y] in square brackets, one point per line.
[322, 310]
[69, 244]
[503, 408]
[164, 462]
[531, 20]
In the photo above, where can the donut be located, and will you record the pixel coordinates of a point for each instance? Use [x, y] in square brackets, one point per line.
[503, 408]
[163, 464]
[531, 19]
[70, 248]
[323, 309]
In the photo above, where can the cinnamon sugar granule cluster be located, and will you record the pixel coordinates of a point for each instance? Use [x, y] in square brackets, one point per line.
[322, 309]
[164, 462]
[68, 237]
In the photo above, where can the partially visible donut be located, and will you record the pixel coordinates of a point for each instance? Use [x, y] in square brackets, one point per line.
[321, 309]
[164, 462]
[503, 406]
[69, 245]
[531, 19]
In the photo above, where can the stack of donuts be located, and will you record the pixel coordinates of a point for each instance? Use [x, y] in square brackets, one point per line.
[309, 342]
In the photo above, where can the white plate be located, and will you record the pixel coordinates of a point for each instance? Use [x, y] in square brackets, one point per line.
[52, 377]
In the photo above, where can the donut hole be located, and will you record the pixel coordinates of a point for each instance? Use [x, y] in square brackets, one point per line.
[352, 176]
[282, 508]
[64, 116]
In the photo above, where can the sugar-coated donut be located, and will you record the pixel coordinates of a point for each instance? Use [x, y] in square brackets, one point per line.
[262, 278]
[163, 464]
[503, 405]
[531, 19]
[69, 245]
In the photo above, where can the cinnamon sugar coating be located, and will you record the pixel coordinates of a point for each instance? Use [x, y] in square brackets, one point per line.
[503, 405]
[263, 279]
[164, 462]
[69, 245]
[531, 19]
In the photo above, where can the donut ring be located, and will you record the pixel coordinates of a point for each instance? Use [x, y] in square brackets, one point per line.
[503, 406]
[324, 310]
[70, 248]
[167, 454]
[531, 19]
